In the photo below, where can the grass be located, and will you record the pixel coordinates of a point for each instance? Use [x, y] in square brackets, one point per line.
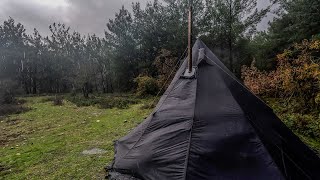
[47, 141]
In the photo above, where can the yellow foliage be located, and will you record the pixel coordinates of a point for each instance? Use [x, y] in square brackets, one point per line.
[297, 74]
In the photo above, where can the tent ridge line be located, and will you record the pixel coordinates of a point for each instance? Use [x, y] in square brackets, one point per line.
[240, 83]
[190, 136]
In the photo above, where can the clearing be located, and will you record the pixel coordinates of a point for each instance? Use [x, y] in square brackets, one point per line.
[52, 141]
[70, 141]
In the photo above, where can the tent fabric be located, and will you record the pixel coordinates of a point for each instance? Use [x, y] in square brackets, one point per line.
[212, 127]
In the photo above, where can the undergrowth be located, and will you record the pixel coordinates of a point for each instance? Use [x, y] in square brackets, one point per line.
[104, 102]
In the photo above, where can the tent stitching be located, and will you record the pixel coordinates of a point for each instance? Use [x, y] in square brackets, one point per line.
[190, 139]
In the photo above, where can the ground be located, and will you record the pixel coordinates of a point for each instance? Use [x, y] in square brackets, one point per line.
[67, 141]
[48, 140]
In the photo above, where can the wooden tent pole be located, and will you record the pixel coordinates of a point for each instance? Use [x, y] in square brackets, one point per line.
[190, 37]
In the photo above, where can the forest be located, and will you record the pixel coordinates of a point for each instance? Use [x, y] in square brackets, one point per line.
[67, 61]
[147, 42]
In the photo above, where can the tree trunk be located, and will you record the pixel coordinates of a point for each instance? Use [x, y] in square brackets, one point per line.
[85, 90]
[34, 85]
[230, 37]
[230, 55]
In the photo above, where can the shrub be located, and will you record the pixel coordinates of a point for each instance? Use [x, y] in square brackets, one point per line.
[47, 99]
[81, 101]
[121, 103]
[103, 102]
[307, 125]
[261, 82]
[166, 65]
[146, 85]
[7, 88]
[297, 75]
[58, 101]
[8, 98]
[7, 109]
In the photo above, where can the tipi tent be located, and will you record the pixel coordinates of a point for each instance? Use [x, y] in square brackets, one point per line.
[210, 126]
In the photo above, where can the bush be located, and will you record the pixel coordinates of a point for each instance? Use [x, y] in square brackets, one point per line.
[121, 103]
[261, 82]
[307, 125]
[166, 65]
[81, 101]
[8, 98]
[58, 101]
[103, 102]
[7, 88]
[7, 109]
[297, 75]
[146, 85]
[47, 99]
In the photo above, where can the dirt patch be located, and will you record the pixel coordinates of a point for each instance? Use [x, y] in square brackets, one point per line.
[9, 138]
[13, 136]
[12, 122]
[3, 142]
[94, 151]
[4, 169]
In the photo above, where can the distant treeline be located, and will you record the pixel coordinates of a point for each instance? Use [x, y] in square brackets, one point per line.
[67, 61]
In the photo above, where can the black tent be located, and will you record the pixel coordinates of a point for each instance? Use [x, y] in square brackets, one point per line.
[210, 126]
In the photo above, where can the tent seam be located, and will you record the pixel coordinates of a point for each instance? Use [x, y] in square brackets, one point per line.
[190, 136]
[236, 80]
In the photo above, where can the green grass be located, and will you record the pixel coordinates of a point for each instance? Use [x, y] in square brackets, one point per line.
[47, 141]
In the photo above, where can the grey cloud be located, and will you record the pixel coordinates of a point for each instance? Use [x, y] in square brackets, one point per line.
[85, 16]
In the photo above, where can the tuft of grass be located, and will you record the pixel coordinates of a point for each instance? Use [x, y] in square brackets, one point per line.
[48, 140]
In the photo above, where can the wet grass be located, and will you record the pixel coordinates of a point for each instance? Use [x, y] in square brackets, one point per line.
[47, 141]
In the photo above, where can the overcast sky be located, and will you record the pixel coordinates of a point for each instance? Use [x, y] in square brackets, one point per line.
[85, 16]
